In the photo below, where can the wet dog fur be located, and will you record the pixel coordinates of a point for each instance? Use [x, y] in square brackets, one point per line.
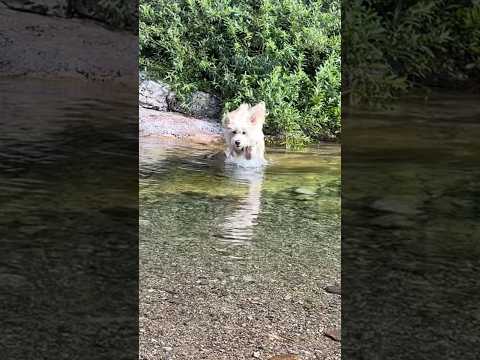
[244, 139]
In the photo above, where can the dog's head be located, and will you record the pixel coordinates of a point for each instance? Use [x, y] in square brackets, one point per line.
[243, 127]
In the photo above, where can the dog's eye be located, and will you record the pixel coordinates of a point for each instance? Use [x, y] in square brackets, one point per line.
[234, 132]
[244, 132]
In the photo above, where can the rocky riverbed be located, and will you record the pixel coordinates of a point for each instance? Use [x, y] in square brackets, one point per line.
[239, 265]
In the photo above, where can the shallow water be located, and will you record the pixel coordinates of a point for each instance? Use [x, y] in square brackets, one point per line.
[233, 260]
[410, 228]
[296, 198]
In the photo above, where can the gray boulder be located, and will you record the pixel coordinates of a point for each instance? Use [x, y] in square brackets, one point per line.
[200, 105]
[44, 7]
[153, 95]
[121, 14]
[115, 13]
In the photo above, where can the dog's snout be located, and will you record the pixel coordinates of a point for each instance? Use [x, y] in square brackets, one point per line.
[237, 142]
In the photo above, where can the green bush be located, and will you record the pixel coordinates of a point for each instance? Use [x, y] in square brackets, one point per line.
[284, 52]
[393, 46]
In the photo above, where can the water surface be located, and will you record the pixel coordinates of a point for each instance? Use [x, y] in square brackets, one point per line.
[410, 216]
[69, 201]
[217, 238]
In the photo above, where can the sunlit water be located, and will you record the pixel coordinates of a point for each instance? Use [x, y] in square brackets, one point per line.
[232, 258]
[294, 198]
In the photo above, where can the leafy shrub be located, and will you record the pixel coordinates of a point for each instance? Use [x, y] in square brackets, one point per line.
[284, 52]
[391, 46]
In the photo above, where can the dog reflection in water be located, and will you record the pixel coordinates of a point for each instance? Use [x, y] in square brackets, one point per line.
[238, 225]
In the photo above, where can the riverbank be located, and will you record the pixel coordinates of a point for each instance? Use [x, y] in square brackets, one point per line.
[170, 126]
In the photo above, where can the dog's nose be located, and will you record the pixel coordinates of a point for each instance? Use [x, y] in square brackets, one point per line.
[237, 142]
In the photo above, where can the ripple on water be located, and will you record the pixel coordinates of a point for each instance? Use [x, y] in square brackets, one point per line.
[295, 196]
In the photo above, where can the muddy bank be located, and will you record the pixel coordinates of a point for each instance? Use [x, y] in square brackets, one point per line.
[33, 45]
[164, 126]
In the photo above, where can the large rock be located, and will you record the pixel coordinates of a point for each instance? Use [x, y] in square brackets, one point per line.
[118, 13]
[121, 14]
[153, 95]
[166, 125]
[57, 48]
[199, 104]
[44, 7]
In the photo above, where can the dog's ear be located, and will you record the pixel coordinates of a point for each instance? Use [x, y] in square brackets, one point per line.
[225, 120]
[234, 115]
[258, 114]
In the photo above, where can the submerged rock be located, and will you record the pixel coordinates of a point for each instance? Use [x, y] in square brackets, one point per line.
[407, 205]
[285, 357]
[334, 333]
[248, 278]
[334, 289]
[392, 221]
[305, 191]
[304, 197]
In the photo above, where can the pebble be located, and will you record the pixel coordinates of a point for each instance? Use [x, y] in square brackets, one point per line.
[144, 222]
[406, 205]
[304, 197]
[305, 191]
[285, 357]
[248, 278]
[334, 289]
[334, 333]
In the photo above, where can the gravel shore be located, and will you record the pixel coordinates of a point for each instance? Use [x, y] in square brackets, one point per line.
[215, 308]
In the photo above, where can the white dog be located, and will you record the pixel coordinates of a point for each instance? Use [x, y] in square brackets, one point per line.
[244, 136]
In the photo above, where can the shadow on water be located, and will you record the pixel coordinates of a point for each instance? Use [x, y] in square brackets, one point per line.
[410, 229]
[68, 224]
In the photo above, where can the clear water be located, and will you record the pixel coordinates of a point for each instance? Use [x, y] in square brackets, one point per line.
[186, 196]
[233, 260]
[410, 221]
